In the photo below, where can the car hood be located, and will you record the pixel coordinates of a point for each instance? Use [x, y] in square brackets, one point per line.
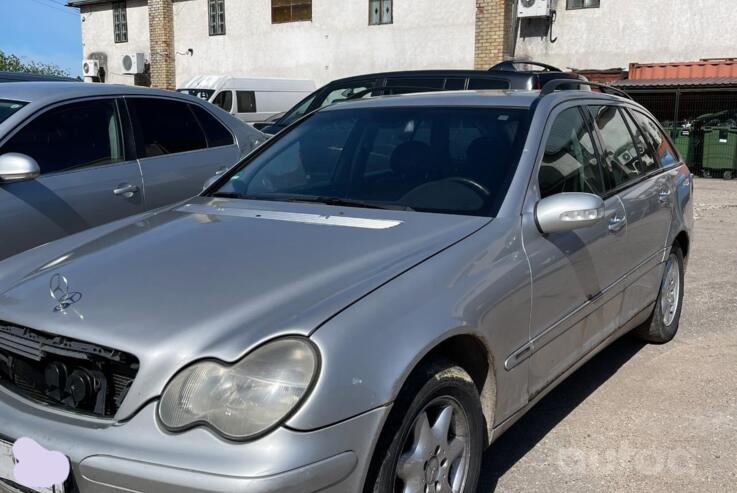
[213, 278]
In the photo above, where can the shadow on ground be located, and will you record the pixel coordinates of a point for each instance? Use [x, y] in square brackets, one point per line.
[542, 418]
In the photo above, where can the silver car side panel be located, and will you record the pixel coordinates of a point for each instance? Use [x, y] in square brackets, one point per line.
[478, 287]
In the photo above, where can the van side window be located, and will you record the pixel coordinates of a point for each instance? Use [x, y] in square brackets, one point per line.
[569, 163]
[164, 126]
[665, 153]
[72, 136]
[621, 159]
[217, 135]
[648, 162]
[224, 100]
[246, 101]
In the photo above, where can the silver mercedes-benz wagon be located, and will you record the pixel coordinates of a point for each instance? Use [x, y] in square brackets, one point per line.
[362, 305]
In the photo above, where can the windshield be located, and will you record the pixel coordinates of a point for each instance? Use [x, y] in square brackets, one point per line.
[205, 94]
[7, 108]
[448, 160]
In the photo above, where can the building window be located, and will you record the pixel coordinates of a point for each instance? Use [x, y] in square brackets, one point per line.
[120, 22]
[380, 12]
[216, 11]
[582, 4]
[290, 11]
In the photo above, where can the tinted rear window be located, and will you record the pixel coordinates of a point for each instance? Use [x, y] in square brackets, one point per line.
[449, 160]
[216, 133]
[164, 127]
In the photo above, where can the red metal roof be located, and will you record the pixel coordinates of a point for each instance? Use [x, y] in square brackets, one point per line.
[684, 70]
[702, 82]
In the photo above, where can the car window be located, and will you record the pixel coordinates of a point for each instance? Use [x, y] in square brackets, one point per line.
[480, 84]
[392, 157]
[216, 133]
[665, 153]
[164, 126]
[72, 136]
[246, 101]
[648, 161]
[354, 90]
[8, 108]
[298, 111]
[455, 83]
[224, 100]
[406, 85]
[620, 155]
[570, 163]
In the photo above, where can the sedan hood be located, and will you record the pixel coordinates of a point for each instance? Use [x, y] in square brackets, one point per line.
[215, 277]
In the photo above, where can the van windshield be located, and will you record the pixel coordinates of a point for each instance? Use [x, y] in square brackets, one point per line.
[447, 160]
[205, 94]
[8, 108]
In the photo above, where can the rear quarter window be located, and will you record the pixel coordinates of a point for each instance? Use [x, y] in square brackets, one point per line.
[215, 132]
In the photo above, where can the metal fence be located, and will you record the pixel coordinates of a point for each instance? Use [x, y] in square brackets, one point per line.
[702, 123]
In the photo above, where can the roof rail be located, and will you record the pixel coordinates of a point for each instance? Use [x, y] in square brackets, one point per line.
[554, 84]
[511, 66]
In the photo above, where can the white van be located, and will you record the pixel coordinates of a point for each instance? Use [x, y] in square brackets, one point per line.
[247, 98]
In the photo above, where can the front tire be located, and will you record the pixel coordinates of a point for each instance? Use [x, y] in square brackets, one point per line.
[433, 438]
[663, 323]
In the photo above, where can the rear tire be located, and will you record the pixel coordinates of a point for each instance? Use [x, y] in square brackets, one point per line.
[433, 438]
[727, 175]
[663, 324]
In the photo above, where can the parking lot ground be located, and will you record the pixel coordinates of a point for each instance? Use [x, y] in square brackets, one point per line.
[643, 417]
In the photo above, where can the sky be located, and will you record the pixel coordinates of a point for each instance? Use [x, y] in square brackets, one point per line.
[43, 31]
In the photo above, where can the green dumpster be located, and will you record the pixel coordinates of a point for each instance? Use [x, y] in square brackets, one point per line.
[685, 140]
[720, 152]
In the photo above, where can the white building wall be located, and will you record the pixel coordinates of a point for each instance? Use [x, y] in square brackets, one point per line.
[625, 31]
[98, 39]
[338, 42]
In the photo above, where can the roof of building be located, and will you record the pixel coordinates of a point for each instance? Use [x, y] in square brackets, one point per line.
[666, 83]
[81, 3]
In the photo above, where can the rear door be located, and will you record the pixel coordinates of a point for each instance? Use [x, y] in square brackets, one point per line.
[633, 173]
[573, 273]
[180, 146]
[88, 176]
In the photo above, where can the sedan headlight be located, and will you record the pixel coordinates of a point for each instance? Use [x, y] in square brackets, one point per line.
[245, 399]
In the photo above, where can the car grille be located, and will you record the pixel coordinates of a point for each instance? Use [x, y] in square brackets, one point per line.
[64, 373]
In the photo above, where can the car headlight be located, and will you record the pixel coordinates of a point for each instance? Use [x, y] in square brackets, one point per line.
[244, 399]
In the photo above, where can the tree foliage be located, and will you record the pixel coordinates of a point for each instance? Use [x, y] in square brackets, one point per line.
[13, 63]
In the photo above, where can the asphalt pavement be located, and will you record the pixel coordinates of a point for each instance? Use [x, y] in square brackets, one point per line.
[641, 417]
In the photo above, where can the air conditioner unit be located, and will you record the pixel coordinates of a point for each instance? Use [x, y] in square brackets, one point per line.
[91, 68]
[534, 8]
[133, 63]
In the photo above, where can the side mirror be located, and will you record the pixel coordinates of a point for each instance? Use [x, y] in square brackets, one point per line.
[18, 167]
[568, 211]
[210, 181]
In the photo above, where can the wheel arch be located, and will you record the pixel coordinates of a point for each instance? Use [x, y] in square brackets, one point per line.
[472, 354]
[684, 242]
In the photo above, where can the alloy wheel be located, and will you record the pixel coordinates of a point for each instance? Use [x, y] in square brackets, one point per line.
[436, 452]
[670, 290]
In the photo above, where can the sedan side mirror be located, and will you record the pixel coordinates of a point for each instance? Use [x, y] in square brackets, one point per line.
[18, 167]
[568, 211]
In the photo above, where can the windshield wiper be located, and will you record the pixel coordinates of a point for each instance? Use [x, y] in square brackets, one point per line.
[345, 202]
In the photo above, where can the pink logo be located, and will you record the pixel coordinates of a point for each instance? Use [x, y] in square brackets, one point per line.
[37, 467]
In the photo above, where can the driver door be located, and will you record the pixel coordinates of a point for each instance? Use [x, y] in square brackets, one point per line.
[86, 177]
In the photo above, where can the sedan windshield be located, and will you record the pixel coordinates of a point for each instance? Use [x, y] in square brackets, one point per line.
[446, 160]
[7, 108]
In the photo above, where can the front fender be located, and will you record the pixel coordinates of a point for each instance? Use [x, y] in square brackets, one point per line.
[479, 287]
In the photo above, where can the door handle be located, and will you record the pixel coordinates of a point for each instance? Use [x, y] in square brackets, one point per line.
[617, 223]
[125, 190]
